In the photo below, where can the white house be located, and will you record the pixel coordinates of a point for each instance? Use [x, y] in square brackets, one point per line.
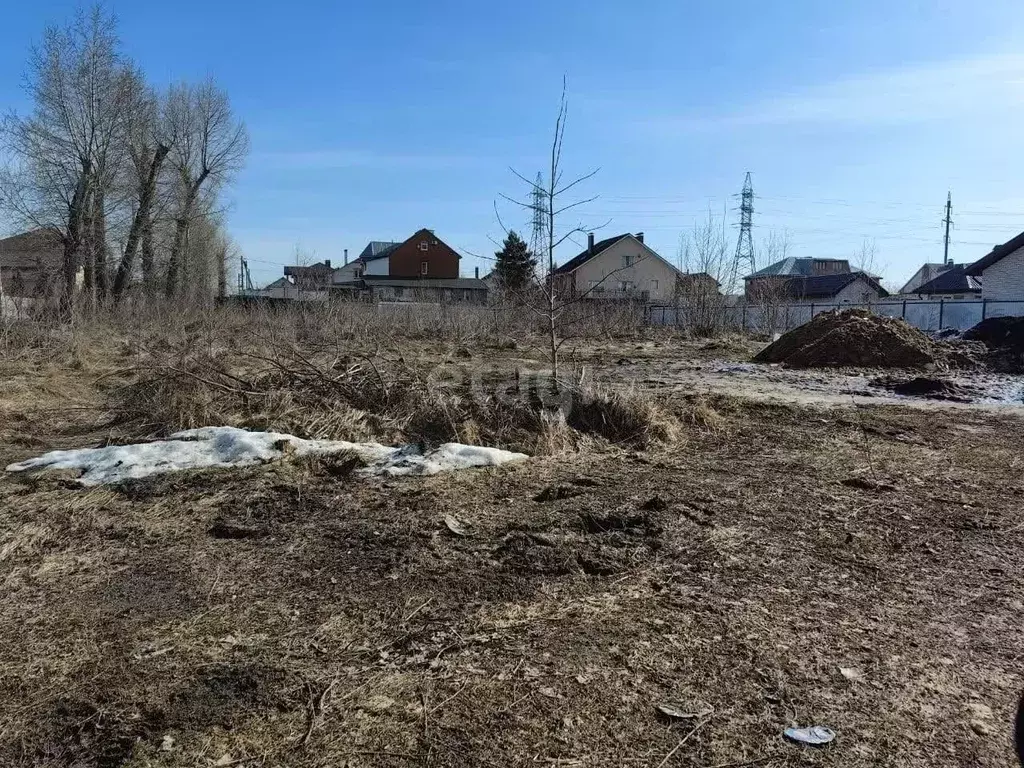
[374, 261]
[1002, 272]
[620, 267]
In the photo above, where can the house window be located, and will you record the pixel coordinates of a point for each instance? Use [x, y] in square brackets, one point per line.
[593, 284]
[423, 245]
[424, 267]
[625, 285]
[627, 261]
[654, 285]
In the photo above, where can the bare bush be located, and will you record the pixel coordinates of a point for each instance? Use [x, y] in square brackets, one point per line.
[706, 264]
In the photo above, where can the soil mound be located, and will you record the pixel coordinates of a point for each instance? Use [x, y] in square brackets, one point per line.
[855, 338]
[1004, 338]
[999, 333]
[929, 388]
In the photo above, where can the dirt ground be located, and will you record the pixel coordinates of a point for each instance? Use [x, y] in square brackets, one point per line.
[812, 559]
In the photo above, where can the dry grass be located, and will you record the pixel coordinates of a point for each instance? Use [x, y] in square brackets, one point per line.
[290, 615]
[629, 418]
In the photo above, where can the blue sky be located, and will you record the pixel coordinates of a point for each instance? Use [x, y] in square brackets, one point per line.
[370, 120]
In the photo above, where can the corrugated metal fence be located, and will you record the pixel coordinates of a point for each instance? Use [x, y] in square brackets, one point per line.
[960, 314]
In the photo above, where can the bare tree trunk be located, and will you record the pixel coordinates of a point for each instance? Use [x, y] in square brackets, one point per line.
[174, 261]
[222, 272]
[99, 243]
[148, 255]
[141, 229]
[552, 299]
[88, 248]
[72, 246]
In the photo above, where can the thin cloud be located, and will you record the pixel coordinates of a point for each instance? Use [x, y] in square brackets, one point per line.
[985, 85]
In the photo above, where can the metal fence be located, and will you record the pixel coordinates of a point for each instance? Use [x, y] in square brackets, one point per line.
[938, 315]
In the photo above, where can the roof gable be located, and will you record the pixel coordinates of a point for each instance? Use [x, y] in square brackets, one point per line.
[600, 247]
[827, 286]
[381, 249]
[998, 253]
[37, 249]
[953, 280]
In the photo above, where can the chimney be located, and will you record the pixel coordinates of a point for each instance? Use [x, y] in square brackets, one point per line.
[346, 255]
[327, 263]
[477, 271]
[590, 243]
[640, 236]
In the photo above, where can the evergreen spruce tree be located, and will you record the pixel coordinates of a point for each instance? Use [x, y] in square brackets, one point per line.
[515, 265]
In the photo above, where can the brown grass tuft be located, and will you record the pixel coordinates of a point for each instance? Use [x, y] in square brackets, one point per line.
[628, 418]
[702, 415]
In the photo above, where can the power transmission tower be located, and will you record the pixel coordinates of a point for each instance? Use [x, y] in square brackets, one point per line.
[744, 262]
[539, 207]
[948, 221]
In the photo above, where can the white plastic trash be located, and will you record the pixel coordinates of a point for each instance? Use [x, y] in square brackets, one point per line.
[816, 735]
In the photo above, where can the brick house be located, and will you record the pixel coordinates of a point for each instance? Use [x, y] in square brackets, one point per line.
[421, 269]
[30, 264]
[424, 255]
[1002, 271]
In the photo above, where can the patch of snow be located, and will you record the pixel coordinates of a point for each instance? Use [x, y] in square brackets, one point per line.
[210, 447]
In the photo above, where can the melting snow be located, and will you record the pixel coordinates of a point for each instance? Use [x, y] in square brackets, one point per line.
[230, 447]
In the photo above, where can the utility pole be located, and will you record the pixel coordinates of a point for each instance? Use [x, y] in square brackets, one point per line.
[744, 260]
[948, 221]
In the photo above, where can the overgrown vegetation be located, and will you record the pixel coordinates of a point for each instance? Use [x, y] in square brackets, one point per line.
[124, 180]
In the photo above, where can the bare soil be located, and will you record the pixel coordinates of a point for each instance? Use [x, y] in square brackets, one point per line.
[786, 563]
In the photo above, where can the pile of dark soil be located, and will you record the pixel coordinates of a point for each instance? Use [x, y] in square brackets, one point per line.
[929, 388]
[853, 338]
[1004, 337]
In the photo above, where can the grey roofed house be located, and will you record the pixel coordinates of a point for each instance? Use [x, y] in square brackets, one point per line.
[377, 249]
[805, 266]
[953, 280]
[589, 253]
[1002, 271]
[997, 254]
[828, 286]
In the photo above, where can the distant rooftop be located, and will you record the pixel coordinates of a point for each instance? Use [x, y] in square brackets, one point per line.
[804, 266]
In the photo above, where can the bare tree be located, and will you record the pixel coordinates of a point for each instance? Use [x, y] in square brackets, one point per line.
[63, 154]
[147, 147]
[208, 147]
[548, 199]
[866, 260]
[706, 264]
[768, 294]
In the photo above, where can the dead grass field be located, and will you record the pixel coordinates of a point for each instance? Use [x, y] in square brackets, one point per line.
[778, 564]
